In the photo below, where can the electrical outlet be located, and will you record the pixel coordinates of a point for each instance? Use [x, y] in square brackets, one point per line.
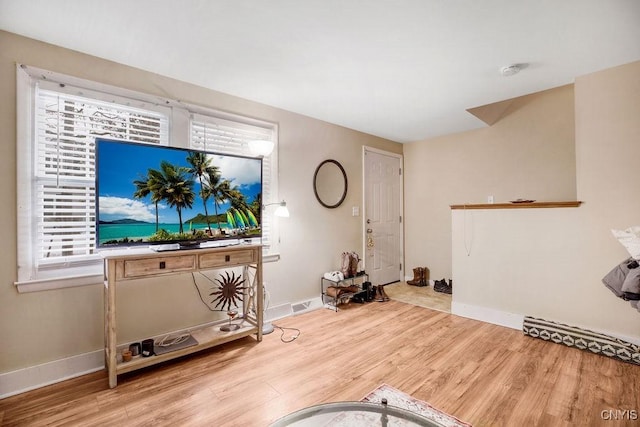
[490, 199]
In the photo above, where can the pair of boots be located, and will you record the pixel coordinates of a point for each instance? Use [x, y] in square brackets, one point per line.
[379, 294]
[420, 277]
[442, 286]
[349, 266]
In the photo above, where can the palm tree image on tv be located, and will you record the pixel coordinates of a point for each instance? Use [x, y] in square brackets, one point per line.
[201, 166]
[161, 194]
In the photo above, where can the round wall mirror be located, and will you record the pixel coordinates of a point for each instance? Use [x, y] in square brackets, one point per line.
[330, 184]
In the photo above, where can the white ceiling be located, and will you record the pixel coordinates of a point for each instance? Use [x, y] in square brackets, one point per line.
[405, 70]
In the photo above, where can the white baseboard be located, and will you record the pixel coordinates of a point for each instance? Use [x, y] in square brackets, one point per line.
[514, 321]
[489, 315]
[33, 377]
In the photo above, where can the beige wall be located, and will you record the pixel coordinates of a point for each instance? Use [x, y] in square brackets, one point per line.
[45, 326]
[608, 148]
[508, 263]
[549, 262]
[607, 153]
[529, 153]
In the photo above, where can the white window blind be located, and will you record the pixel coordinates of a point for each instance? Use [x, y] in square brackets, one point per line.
[232, 137]
[63, 229]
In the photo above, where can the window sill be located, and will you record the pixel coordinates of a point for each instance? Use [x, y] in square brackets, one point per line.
[84, 280]
[58, 283]
[271, 258]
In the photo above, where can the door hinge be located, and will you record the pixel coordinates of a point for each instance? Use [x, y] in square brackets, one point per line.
[400, 171]
[400, 219]
[400, 266]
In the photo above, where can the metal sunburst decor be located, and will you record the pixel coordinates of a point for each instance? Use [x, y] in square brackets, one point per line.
[229, 291]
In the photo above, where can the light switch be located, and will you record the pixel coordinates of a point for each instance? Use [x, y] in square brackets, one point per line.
[355, 211]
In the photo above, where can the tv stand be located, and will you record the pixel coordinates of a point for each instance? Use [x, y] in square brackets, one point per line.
[126, 265]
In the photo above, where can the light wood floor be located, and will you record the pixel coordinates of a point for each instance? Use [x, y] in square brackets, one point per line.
[483, 374]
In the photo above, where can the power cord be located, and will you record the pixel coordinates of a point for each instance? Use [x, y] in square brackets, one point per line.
[267, 297]
[467, 247]
[282, 330]
[195, 284]
[267, 302]
[167, 341]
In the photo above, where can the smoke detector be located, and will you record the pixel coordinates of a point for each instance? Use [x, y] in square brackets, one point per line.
[510, 70]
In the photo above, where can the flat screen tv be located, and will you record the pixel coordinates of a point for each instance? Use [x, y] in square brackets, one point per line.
[158, 195]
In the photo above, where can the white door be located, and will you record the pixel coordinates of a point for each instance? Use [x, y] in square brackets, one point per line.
[383, 216]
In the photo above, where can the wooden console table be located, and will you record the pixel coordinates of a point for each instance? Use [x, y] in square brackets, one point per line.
[131, 264]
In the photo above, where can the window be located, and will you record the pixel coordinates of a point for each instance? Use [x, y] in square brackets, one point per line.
[59, 118]
[232, 137]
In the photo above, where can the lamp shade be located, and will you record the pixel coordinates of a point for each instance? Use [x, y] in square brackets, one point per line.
[282, 211]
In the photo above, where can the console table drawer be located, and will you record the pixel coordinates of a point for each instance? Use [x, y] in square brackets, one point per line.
[154, 266]
[211, 260]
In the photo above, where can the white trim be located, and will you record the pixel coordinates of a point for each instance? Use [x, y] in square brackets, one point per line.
[365, 149]
[33, 377]
[488, 315]
[25, 99]
[272, 257]
[58, 283]
[107, 91]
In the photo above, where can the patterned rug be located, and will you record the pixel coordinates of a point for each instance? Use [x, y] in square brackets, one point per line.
[400, 400]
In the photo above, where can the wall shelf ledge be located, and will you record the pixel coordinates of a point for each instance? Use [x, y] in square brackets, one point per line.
[511, 205]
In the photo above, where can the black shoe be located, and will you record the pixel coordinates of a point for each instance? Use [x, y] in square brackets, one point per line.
[360, 297]
[442, 286]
